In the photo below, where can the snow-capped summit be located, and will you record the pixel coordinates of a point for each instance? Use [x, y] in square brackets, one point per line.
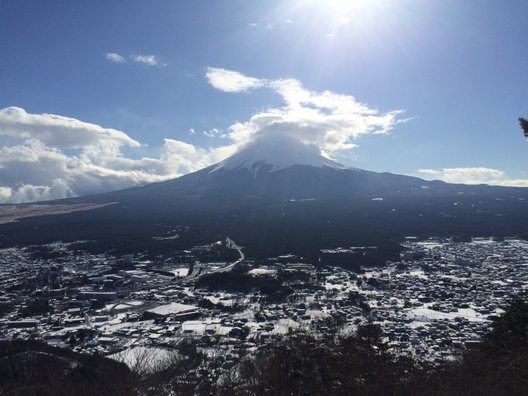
[275, 153]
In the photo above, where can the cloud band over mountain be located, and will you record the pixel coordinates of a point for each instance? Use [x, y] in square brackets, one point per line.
[331, 121]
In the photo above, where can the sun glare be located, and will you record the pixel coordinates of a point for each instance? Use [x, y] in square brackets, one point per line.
[344, 7]
[333, 15]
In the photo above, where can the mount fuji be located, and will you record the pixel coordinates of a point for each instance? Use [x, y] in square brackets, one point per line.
[272, 154]
[279, 196]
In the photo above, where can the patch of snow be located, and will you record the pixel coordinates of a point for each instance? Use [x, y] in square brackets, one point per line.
[418, 274]
[471, 315]
[429, 245]
[262, 272]
[144, 359]
[166, 238]
[180, 272]
[424, 314]
[194, 326]
[482, 241]
[284, 326]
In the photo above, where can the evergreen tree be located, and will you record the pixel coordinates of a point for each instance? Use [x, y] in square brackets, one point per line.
[524, 125]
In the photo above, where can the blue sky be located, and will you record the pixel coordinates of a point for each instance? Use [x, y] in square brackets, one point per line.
[102, 95]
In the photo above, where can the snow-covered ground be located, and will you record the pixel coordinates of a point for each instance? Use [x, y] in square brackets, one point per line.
[145, 359]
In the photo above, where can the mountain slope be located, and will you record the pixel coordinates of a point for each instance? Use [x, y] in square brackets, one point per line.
[279, 199]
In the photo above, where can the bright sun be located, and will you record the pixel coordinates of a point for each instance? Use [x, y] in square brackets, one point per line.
[343, 12]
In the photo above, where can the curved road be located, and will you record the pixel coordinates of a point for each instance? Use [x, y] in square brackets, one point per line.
[197, 267]
[230, 244]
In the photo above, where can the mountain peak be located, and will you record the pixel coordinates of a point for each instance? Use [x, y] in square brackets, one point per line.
[274, 154]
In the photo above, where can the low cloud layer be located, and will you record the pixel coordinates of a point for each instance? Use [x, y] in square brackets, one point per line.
[476, 175]
[52, 156]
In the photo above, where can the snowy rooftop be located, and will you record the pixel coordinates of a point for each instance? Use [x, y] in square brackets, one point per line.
[172, 308]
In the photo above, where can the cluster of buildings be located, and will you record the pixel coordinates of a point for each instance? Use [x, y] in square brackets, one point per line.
[436, 301]
[442, 296]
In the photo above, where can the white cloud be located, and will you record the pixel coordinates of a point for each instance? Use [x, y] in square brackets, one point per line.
[430, 172]
[59, 131]
[473, 175]
[215, 132]
[149, 60]
[231, 81]
[115, 58]
[183, 157]
[329, 120]
[33, 171]
[343, 20]
[5, 193]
